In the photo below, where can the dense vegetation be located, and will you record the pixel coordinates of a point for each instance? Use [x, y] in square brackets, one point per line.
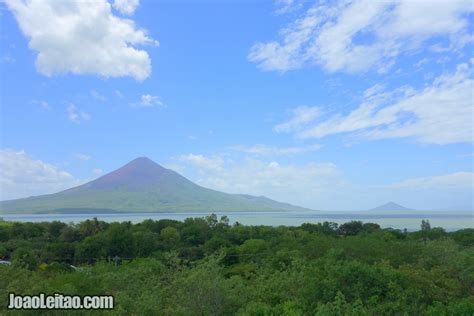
[204, 266]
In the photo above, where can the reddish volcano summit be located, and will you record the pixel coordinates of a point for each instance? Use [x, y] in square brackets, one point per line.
[139, 173]
[142, 186]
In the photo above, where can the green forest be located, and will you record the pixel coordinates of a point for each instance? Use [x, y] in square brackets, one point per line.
[206, 266]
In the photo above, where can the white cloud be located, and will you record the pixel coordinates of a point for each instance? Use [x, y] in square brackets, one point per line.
[320, 185]
[82, 37]
[77, 116]
[22, 176]
[286, 6]
[374, 90]
[148, 100]
[452, 180]
[264, 150]
[452, 191]
[330, 34]
[83, 157]
[441, 113]
[301, 116]
[127, 7]
[200, 161]
[311, 184]
[98, 96]
[43, 104]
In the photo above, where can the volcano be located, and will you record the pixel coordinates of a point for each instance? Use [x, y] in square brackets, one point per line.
[141, 186]
[390, 206]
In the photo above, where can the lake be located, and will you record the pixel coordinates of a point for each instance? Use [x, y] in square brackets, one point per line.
[448, 220]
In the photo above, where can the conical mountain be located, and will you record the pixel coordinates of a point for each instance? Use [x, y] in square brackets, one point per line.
[390, 206]
[141, 186]
[139, 174]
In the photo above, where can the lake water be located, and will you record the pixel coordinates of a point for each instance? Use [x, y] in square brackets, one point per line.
[448, 220]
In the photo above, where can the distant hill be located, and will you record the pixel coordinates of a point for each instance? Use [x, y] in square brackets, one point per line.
[390, 206]
[141, 186]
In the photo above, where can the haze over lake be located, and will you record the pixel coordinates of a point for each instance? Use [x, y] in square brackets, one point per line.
[448, 220]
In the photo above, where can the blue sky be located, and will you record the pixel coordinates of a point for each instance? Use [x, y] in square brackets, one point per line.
[328, 105]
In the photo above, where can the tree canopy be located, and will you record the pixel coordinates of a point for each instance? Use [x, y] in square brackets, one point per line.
[205, 266]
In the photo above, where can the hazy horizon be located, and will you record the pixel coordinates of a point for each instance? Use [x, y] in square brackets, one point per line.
[327, 109]
[389, 206]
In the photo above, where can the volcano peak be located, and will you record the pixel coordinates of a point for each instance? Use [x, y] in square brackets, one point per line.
[142, 185]
[139, 173]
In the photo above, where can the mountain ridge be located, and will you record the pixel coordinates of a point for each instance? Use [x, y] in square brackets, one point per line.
[390, 206]
[142, 185]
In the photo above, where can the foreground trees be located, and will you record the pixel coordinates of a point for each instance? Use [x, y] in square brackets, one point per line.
[208, 267]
